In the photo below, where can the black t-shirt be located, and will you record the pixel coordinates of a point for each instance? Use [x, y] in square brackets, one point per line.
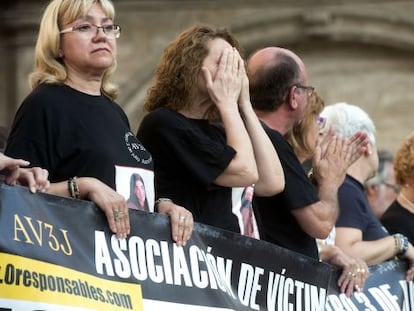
[355, 211]
[71, 133]
[189, 154]
[399, 220]
[279, 226]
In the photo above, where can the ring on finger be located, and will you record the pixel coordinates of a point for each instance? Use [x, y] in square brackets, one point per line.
[181, 219]
[360, 270]
[117, 214]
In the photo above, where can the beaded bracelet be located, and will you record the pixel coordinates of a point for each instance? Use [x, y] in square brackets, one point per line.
[73, 188]
[401, 244]
[158, 201]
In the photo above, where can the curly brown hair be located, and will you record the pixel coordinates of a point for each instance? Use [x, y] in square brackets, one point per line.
[404, 161]
[177, 72]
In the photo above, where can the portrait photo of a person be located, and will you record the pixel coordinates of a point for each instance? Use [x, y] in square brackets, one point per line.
[247, 211]
[137, 197]
[242, 208]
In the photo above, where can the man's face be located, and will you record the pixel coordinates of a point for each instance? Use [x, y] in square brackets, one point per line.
[303, 91]
[389, 189]
[381, 195]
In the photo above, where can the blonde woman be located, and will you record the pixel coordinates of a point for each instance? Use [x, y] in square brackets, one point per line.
[304, 138]
[69, 123]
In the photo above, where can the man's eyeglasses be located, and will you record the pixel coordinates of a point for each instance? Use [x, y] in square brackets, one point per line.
[394, 187]
[90, 30]
[309, 89]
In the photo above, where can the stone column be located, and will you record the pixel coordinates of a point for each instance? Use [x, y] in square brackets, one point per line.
[18, 32]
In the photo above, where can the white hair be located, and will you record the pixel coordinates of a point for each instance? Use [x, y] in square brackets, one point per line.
[346, 120]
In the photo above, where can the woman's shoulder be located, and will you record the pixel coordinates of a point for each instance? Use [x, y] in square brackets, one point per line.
[41, 99]
[47, 89]
[161, 113]
[162, 117]
[44, 96]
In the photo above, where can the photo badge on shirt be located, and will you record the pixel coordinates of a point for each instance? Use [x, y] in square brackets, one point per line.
[242, 207]
[136, 185]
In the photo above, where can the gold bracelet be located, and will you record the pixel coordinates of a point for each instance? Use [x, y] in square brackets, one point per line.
[73, 188]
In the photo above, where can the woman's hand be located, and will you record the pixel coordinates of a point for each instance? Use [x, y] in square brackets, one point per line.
[109, 201]
[353, 277]
[181, 221]
[35, 178]
[225, 89]
[409, 256]
[244, 98]
[354, 270]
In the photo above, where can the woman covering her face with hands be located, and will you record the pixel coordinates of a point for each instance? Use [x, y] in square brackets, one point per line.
[69, 123]
[206, 140]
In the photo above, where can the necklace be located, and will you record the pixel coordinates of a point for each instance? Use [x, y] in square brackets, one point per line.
[410, 203]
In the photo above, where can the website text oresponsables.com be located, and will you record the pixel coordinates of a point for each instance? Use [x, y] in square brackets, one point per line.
[10, 275]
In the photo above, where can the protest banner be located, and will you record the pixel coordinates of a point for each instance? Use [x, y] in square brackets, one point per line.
[58, 254]
[385, 289]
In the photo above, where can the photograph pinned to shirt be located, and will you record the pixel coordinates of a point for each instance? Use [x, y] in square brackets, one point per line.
[242, 207]
[136, 185]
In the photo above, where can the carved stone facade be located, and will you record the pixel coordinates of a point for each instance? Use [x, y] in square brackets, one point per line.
[357, 51]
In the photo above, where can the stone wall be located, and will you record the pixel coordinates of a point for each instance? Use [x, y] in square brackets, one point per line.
[356, 51]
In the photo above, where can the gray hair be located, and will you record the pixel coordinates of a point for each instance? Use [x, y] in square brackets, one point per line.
[346, 120]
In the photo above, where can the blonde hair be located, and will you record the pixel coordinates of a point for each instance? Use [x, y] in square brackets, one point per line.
[49, 67]
[297, 136]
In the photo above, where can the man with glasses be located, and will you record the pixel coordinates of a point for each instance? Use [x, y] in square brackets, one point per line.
[294, 218]
[381, 189]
